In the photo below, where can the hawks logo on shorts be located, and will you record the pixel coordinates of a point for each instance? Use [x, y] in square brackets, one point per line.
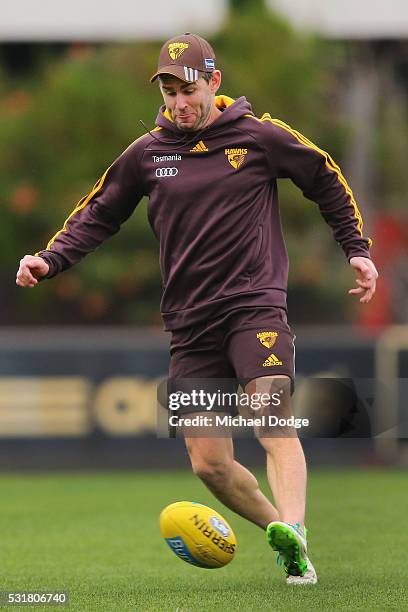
[177, 48]
[267, 338]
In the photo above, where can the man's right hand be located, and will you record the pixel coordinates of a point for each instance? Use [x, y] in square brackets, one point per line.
[31, 269]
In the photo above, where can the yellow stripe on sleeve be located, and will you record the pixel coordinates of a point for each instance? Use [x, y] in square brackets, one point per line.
[330, 163]
[86, 199]
[81, 204]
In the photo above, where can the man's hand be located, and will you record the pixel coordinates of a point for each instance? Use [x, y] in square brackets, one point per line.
[31, 269]
[366, 278]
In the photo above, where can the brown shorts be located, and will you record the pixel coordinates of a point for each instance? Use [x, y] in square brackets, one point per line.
[238, 347]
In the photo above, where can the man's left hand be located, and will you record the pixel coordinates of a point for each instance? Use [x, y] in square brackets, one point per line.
[366, 278]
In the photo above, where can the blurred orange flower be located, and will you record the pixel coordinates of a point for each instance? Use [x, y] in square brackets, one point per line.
[68, 286]
[94, 305]
[23, 199]
[80, 52]
[17, 102]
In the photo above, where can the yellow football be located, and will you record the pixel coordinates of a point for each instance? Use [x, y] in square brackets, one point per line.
[197, 534]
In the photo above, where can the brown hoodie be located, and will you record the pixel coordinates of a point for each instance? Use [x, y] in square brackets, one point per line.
[213, 205]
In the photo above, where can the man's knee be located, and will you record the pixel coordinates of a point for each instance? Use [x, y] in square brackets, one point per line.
[211, 463]
[272, 394]
[280, 445]
[269, 385]
[210, 471]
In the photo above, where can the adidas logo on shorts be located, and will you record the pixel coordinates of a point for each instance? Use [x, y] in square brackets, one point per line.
[272, 361]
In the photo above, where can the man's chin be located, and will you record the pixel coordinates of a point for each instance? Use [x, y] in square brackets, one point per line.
[186, 127]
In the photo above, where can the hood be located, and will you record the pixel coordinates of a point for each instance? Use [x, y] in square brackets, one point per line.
[231, 111]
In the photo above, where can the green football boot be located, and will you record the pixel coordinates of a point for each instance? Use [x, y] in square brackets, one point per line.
[291, 546]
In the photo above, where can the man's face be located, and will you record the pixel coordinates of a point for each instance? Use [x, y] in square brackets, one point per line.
[191, 105]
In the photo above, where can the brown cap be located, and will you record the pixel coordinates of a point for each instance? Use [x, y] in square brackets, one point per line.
[185, 57]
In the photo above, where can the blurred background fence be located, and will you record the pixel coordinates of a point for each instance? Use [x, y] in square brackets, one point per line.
[88, 398]
[74, 82]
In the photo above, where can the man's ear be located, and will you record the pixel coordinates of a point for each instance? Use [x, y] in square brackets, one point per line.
[215, 81]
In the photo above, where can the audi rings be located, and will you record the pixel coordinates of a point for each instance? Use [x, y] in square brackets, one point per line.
[160, 172]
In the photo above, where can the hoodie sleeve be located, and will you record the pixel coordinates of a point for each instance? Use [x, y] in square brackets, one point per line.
[98, 215]
[292, 155]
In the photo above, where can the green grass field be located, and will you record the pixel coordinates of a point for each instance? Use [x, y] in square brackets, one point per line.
[96, 535]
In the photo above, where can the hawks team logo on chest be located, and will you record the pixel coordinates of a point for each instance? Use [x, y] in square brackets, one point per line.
[236, 157]
[267, 338]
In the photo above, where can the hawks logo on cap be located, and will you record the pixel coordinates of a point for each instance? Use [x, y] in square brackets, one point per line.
[185, 56]
[177, 48]
[236, 157]
[267, 338]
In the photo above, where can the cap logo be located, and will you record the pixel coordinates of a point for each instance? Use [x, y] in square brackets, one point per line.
[209, 64]
[177, 48]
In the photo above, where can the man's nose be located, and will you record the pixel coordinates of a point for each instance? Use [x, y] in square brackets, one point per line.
[181, 101]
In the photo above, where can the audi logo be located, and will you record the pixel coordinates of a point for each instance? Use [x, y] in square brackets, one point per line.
[160, 172]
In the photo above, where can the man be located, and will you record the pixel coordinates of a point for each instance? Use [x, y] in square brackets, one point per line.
[209, 168]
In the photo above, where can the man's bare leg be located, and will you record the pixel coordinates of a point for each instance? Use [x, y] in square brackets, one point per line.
[286, 469]
[213, 462]
[286, 465]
